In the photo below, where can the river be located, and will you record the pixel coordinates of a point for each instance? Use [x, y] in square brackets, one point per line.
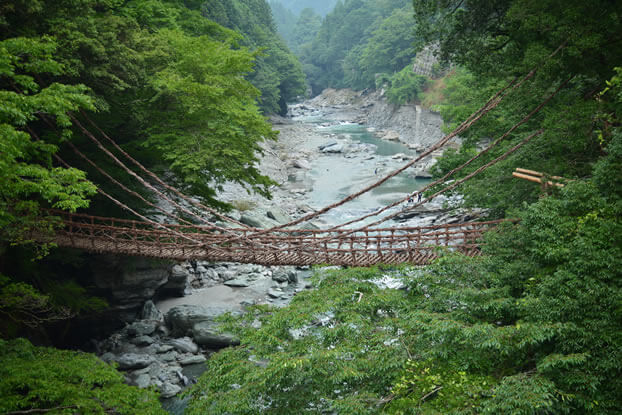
[329, 177]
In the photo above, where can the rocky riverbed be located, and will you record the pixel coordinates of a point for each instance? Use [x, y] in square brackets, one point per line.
[328, 148]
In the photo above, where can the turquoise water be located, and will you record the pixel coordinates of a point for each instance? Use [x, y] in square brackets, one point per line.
[335, 176]
[360, 133]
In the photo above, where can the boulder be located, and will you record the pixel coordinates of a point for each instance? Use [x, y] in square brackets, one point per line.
[422, 174]
[164, 348]
[130, 361]
[207, 335]
[192, 360]
[168, 357]
[391, 136]
[336, 148]
[178, 280]
[141, 328]
[274, 293]
[142, 341]
[278, 215]
[238, 282]
[184, 344]
[151, 312]
[257, 221]
[128, 281]
[181, 318]
[280, 275]
[142, 381]
[301, 164]
[324, 146]
[168, 390]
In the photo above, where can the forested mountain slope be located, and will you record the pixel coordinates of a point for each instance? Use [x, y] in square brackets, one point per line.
[534, 326]
[173, 88]
[277, 74]
[356, 41]
[321, 7]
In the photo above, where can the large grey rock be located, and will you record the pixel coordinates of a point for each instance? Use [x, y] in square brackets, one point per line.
[391, 136]
[184, 344]
[142, 341]
[128, 281]
[414, 124]
[274, 293]
[278, 215]
[238, 282]
[257, 221]
[207, 335]
[181, 318]
[280, 275]
[142, 381]
[325, 146]
[301, 164]
[178, 281]
[151, 312]
[129, 361]
[192, 360]
[141, 328]
[168, 390]
[168, 357]
[336, 148]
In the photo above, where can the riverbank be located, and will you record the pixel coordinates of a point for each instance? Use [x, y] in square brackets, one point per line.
[324, 152]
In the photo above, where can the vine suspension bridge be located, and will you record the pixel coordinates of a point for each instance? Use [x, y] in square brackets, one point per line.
[415, 245]
[284, 244]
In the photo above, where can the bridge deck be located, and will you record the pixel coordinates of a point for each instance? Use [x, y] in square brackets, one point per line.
[416, 245]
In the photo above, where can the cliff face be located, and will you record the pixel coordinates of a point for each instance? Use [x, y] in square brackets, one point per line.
[417, 126]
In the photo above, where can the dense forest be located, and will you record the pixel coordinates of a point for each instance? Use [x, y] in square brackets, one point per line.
[534, 326]
[359, 45]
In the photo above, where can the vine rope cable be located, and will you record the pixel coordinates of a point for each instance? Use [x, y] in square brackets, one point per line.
[149, 186]
[473, 118]
[455, 170]
[160, 181]
[347, 234]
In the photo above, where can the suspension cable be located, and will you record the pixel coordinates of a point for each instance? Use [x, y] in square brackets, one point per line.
[457, 169]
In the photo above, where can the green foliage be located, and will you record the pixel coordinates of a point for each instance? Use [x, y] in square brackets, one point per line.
[533, 327]
[329, 353]
[21, 304]
[28, 178]
[278, 74]
[405, 86]
[388, 50]
[285, 20]
[38, 379]
[124, 53]
[168, 85]
[320, 7]
[496, 41]
[304, 31]
[358, 39]
[219, 136]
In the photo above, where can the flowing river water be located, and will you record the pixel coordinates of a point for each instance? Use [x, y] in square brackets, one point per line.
[335, 176]
[331, 177]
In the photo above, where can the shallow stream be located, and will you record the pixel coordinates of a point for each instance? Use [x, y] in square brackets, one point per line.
[333, 177]
[336, 176]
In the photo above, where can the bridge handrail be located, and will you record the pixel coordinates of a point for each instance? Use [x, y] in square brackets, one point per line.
[137, 225]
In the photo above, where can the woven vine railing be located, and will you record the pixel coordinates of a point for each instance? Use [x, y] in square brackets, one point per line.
[415, 245]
